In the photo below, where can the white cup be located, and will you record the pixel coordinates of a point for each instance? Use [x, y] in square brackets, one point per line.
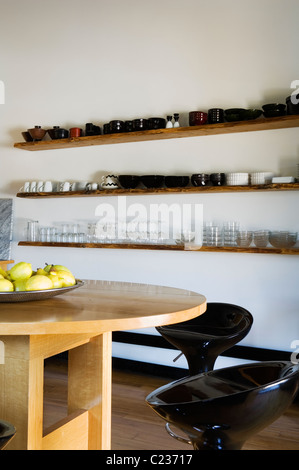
[110, 182]
[80, 185]
[66, 186]
[48, 187]
[40, 186]
[33, 186]
[92, 186]
[25, 188]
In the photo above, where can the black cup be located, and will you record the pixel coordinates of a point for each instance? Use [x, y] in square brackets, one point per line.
[117, 126]
[128, 126]
[215, 115]
[217, 179]
[200, 179]
[140, 124]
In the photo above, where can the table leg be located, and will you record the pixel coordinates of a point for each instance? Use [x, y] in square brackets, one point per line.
[90, 387]
[21, 392]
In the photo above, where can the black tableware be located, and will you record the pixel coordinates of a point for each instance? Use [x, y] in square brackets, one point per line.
[292, 104]
[176, 181]
[140, 124]
[117, 126]
[274, 109]
[215, 115]
[152, 181]
[129, 181]
[200, 179]
[156, 123]
[217, 179]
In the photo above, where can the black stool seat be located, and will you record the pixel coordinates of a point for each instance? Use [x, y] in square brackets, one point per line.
[205, 337]
[7, 431]
[221, 409]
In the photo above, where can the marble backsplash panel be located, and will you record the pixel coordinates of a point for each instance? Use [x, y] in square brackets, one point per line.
[6, 226]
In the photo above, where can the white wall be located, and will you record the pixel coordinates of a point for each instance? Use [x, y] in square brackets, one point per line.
[71, 62]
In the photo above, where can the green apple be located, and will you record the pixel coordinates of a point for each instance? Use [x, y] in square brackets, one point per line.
[57, 282]
[39, 282]
[59, 267]
[3, 273]
[6, 285]
[67, 278]
[20, 285]
[20, 270]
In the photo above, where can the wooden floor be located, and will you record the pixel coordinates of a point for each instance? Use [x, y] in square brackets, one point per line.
[136, 427]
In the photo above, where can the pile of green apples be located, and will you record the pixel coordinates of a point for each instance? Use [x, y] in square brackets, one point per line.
[21, 277]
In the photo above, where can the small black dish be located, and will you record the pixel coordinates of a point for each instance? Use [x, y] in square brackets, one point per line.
[152, 181]
[176, 181]
[129, 181]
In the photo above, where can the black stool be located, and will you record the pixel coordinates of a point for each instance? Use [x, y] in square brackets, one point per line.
[221, 409]
[205, 337]
[7, 432]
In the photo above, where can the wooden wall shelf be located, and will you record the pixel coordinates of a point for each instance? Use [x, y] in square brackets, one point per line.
[282, 122]
[140, 191]
[147, 246]
[4, 263]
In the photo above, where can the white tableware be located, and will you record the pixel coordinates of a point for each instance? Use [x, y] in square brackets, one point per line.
[80, 185]
[33, 186]
[40, 186]
[48, 187]
[110, 182]
[92, 186]
[25, 188]
[65, 186]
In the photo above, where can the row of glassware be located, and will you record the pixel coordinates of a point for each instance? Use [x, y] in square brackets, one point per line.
[232, 234]
[96, 232]
[229, 233]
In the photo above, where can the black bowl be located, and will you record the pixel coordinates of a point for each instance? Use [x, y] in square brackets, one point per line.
[129, 181]
[200, 179]
[274, 109]
[249, 114]
[176, 181]
[152, 181]
[234, 114]
[156, 123]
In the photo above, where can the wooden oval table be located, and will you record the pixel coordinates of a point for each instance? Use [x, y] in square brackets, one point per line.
[80, 322]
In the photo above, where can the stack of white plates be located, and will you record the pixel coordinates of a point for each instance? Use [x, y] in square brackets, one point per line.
[261, 177]
[235, 179]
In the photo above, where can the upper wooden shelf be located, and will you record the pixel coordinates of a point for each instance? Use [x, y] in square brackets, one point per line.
[189, 189]
[282, 122]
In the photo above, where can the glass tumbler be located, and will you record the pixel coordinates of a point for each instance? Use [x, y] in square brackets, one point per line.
[32, 230]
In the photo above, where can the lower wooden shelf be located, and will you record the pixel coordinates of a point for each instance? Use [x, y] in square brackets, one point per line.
[174, 247]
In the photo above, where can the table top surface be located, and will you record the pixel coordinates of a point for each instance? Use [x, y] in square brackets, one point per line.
[101, 306]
